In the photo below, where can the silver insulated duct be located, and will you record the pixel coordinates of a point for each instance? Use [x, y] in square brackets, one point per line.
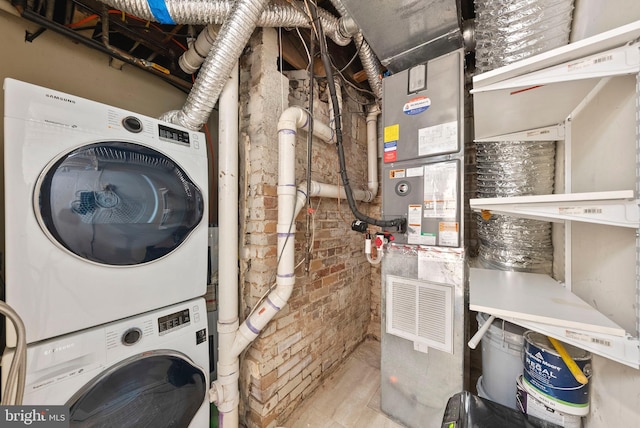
[515, 168]
[239, 19]
[278, 13]
[508, 31]
[370, 62]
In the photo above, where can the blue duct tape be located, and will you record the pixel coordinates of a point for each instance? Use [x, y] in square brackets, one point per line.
[160, 12]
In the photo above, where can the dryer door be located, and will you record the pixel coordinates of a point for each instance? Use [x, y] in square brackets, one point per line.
[154, 389]
[117, 203]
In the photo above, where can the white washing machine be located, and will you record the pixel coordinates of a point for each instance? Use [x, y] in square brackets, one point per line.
[149, 370]
[106, 213]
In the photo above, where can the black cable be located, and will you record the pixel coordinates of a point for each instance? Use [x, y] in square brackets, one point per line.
[399, 223]
[307, 258]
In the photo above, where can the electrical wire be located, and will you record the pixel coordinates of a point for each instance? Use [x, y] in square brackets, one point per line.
[398, 223]
[350, 61]
[357, 101]
[14, 388]
[304, 44]
[311, 72]
[281, 69]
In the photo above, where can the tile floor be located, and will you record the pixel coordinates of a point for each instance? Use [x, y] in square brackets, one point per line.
[350, 398]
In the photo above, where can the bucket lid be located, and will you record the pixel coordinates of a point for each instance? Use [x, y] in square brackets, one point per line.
[541, 341]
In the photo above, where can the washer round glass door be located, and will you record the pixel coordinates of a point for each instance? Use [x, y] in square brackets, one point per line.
[157, 389]
[117, 203]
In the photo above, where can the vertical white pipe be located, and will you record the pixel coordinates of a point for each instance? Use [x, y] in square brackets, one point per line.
[291, 120]
[228, 364]
[372, 151]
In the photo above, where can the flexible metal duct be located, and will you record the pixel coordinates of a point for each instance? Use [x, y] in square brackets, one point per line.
[231, 40]
[508, 31]
[279, 13]
[369, 60]
[240, 19]
[370, 64]
[515, 168]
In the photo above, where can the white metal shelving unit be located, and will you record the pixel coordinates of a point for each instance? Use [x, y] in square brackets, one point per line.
[536, 100]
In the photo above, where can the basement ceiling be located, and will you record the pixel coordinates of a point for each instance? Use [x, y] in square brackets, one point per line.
[156, 47]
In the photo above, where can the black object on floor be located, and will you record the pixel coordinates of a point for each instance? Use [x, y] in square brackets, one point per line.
[465, 410]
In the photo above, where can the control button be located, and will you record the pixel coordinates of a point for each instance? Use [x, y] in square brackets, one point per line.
[132, 124]
[197, 317]
[131, 336]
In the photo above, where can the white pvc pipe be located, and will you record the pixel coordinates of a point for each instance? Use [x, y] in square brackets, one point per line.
[372, 151]
[291, 120]
[233, 339]
[192, 59]
[332, 191]
[226, 388]
[473, 342]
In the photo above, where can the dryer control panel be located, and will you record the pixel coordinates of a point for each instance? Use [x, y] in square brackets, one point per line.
[173, 135]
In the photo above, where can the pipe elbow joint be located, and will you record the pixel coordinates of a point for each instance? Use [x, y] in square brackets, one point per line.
[347, 27]
[292, 118]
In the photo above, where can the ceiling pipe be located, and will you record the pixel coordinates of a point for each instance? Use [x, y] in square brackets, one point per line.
[279, 13]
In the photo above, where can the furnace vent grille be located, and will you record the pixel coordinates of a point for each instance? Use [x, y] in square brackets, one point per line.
[420, 311]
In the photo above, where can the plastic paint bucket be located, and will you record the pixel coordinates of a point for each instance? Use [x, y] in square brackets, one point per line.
[530, 406]
[501, 360]
[548, 379]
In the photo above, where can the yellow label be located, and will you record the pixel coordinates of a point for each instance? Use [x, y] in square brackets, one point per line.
[160, 68]
[448, 227]
[391, 133]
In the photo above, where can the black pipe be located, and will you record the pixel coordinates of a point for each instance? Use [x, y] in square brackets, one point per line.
[42, 21]
[398, 223]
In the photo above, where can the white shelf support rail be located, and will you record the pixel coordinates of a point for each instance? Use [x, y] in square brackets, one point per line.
[638, 193]
[616, 208]
[614, 62]
[568, 250]
[545, 133]
[625, 350]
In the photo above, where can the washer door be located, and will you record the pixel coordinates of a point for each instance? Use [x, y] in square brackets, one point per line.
[154, 389]
[117, 203]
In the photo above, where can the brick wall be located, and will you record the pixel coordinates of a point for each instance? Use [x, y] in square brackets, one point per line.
[330, 310]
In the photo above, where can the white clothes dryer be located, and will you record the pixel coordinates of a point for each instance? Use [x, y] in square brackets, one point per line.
[149, 370]
[106, 213]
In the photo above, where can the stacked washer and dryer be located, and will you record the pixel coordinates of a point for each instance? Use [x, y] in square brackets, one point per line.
[106, 259]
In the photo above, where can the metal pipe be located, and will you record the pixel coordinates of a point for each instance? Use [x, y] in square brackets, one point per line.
[107, 49]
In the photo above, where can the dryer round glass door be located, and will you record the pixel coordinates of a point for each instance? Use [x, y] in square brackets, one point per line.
[157, 389]
[117, 203]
